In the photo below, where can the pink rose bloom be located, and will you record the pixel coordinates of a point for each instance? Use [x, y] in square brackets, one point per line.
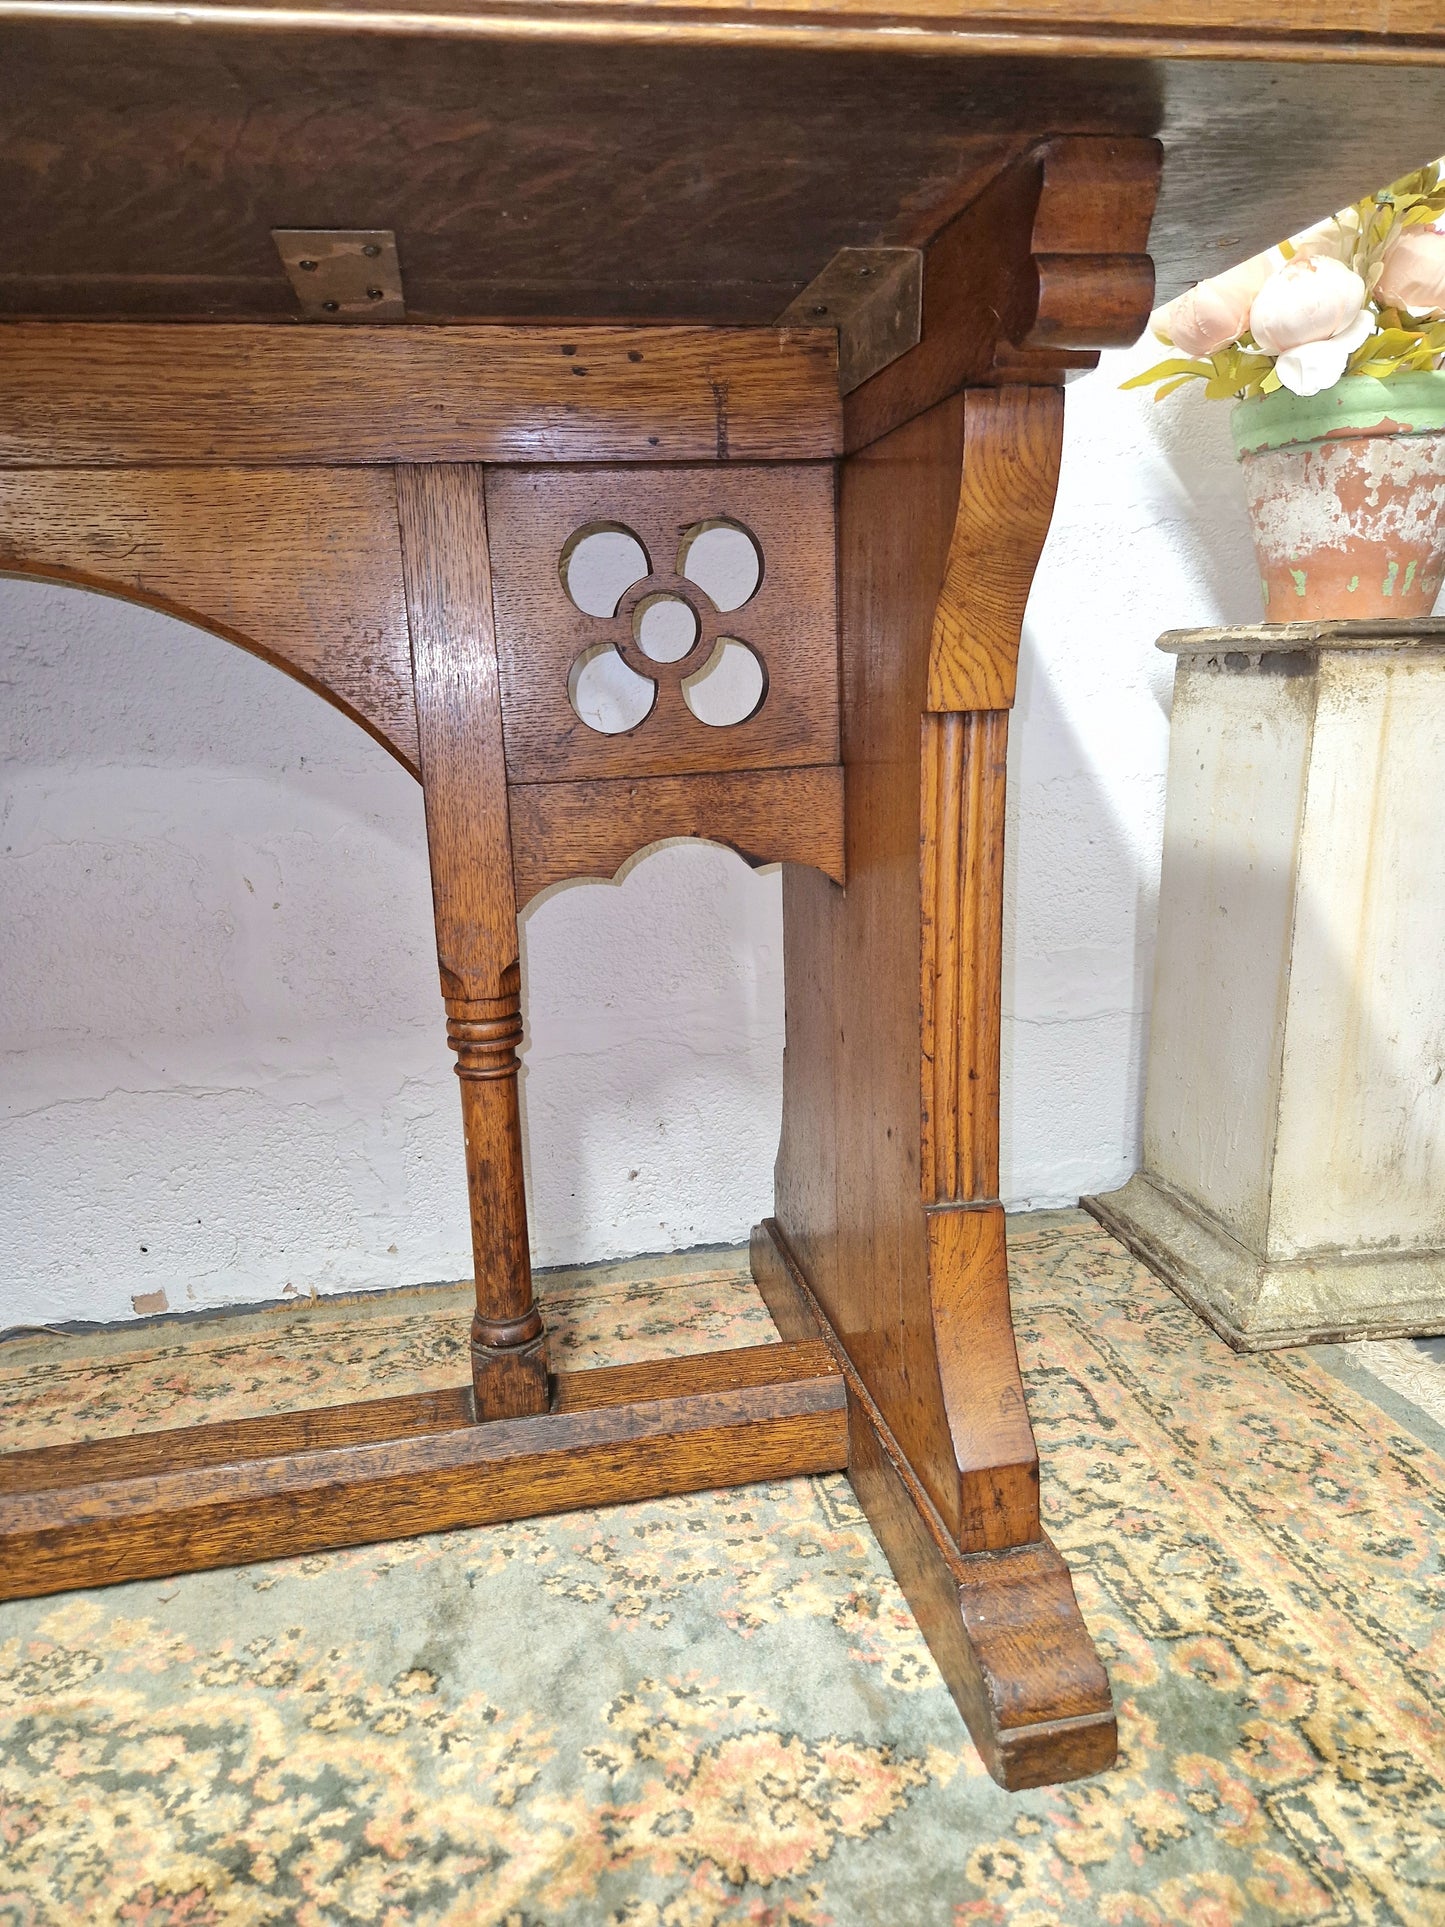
[1413, 273]
[1215, 313]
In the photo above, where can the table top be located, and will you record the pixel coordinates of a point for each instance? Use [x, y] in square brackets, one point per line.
[663, 160]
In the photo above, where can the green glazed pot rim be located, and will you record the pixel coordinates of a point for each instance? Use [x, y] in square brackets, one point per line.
[1407, 404]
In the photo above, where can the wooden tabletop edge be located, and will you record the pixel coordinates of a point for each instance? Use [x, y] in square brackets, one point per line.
[1037, 30]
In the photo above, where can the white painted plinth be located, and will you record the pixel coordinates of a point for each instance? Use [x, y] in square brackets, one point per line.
[1293, 1186]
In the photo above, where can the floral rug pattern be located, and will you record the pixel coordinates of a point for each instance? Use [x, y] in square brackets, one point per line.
[717, 1709]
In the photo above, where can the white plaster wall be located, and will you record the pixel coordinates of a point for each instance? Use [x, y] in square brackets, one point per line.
[224, 1075]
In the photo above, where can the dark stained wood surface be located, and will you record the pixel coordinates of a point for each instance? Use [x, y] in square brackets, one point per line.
[562, 830]
[185, 1501]
[790, 622]
[130, 396]
[301, 568]
[522, 181]
[544, 173]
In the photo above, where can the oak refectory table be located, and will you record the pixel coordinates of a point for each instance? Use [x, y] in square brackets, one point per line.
[336, 329]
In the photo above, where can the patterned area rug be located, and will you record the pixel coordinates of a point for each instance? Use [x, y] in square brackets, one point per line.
[717, 1709]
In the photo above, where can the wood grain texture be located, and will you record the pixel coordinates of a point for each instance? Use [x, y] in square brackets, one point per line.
[1079, 26]
[965, 765]
[552, 162]
[446, 565]
[978, 291]
[187, 1501]
[848, 1183]
[1004, 1627]
[1012, 444]
[790, 622]
[1090, 240]
[562, 830]
[114, 395]
[891, 1074]
[983, 1392]
[1029, 274]
[664, 182]
[135, 1455]
[302, 569]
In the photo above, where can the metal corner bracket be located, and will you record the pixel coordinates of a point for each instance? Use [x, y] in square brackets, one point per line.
[343, 274]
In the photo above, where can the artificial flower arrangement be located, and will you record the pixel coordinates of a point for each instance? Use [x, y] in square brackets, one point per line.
[1362, 293]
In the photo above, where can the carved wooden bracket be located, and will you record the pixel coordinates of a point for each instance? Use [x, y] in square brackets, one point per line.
[1012, 442]
[1093, 279]
[1047, 266]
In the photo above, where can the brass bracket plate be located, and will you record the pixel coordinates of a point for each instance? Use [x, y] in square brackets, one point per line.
[874, 298]
[343, 274]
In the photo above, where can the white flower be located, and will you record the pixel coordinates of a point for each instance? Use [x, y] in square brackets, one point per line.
[1315, 365]
[1307, 301]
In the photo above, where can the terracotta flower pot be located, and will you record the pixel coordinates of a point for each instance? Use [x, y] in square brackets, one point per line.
[1347, 495]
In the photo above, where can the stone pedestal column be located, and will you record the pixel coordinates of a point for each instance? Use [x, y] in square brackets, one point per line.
[1293, 1186]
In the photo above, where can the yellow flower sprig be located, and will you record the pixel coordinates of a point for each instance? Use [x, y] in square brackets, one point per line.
[1399, 344]
[1239, 371]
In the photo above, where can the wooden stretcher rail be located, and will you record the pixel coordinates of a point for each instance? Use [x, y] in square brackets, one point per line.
[220, 1495]
[102, 394]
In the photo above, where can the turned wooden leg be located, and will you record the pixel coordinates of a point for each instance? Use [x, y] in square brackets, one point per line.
[445, 557]
[509, 1352]
[890, 1234]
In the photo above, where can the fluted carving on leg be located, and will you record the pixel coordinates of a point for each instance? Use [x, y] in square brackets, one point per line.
[964, 767]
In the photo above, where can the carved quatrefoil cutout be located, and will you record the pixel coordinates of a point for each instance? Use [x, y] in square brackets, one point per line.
[664, 629]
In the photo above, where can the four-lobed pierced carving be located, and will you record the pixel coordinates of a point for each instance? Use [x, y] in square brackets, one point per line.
[662, 629]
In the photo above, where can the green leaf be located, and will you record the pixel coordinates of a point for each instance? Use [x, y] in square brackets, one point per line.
[1163, 369]
[1393, 341]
